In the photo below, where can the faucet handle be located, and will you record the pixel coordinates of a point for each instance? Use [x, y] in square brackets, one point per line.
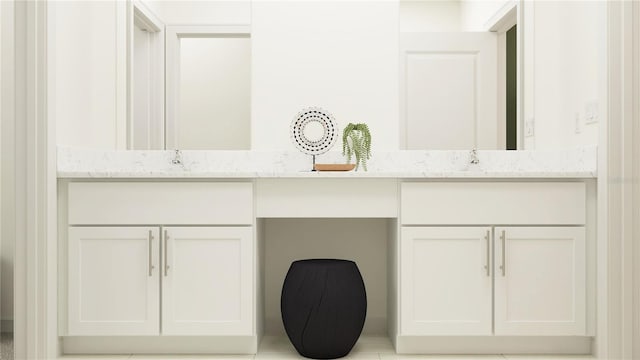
[177, 160]
[474, 157]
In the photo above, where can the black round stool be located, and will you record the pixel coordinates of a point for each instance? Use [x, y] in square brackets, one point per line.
[323, 304]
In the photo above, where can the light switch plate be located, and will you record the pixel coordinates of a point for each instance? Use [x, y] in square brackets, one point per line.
[578, 122]
[591, 112]
[529, 126]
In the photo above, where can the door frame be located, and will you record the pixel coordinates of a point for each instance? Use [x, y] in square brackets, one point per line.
[619, 189]
[35, 272]
[2, 61]
[139, 15]
[502, 21]
[636, 174]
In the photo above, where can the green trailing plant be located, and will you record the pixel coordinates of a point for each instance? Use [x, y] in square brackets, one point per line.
[356, 141]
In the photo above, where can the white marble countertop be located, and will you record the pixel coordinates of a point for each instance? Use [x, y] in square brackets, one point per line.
[84, 163]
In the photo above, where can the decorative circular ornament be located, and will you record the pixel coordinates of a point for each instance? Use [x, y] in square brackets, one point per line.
[314, 131]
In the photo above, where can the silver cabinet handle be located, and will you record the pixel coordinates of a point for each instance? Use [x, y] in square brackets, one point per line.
[503, 267]
[166, 252]
[151, 267]
[486, 237]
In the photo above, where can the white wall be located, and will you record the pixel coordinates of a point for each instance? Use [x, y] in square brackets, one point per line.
[447, 15]
[566, 67]
[340, 56]
[430, 16]
[219, 12]
[88, 61]
[361, 240]
[474, 14]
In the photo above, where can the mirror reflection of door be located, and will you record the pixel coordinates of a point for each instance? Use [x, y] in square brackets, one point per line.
[192, 93]
[511, 56]
[208, 82]
[449, 90]
[459, 73]
[214, 98]
[146, 120]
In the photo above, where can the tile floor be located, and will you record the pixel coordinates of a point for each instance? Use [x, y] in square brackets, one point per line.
[367, 348]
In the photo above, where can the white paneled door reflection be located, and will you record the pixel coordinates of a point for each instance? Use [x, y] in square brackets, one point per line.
[448, 90]
[208, 88]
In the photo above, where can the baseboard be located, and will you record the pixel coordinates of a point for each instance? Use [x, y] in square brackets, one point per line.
[556, 345]
[6, 325]
[575, 345]
[159, 345]
[373, 326]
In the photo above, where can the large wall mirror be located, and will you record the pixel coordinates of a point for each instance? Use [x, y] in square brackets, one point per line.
[491, 75]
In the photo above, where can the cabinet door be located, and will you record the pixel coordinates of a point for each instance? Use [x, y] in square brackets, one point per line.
[207, 281]
[446, 281]
[540, 281]
[114, 286]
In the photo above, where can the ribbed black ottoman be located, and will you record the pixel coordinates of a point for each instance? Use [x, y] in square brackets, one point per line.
[323, 304]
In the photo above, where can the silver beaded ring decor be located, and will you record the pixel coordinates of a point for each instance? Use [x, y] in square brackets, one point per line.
[328, 138]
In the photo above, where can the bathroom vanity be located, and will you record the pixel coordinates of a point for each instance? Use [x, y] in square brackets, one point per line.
[159, 258]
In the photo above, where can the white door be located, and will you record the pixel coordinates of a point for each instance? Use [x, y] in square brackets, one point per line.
[446, 281]
[448, 91]
[207, 281]
[540, 281]
[114, 286]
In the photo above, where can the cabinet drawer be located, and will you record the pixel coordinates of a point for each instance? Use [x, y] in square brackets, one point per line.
[521, 203]
[327, 198]
[185, 203]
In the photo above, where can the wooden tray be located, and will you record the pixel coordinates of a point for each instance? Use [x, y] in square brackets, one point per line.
[334, 167]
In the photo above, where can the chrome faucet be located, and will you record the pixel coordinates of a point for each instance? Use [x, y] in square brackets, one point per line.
[177, 159]
[474, 157]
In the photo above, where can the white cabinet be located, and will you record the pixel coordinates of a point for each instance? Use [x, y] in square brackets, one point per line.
[540, 281]
[446, 281]
[537, 280]
[194, 278]
[115, 275]
[114, 286]
[207, 281]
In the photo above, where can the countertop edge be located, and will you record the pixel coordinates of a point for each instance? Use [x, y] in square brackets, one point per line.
[329, 175]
